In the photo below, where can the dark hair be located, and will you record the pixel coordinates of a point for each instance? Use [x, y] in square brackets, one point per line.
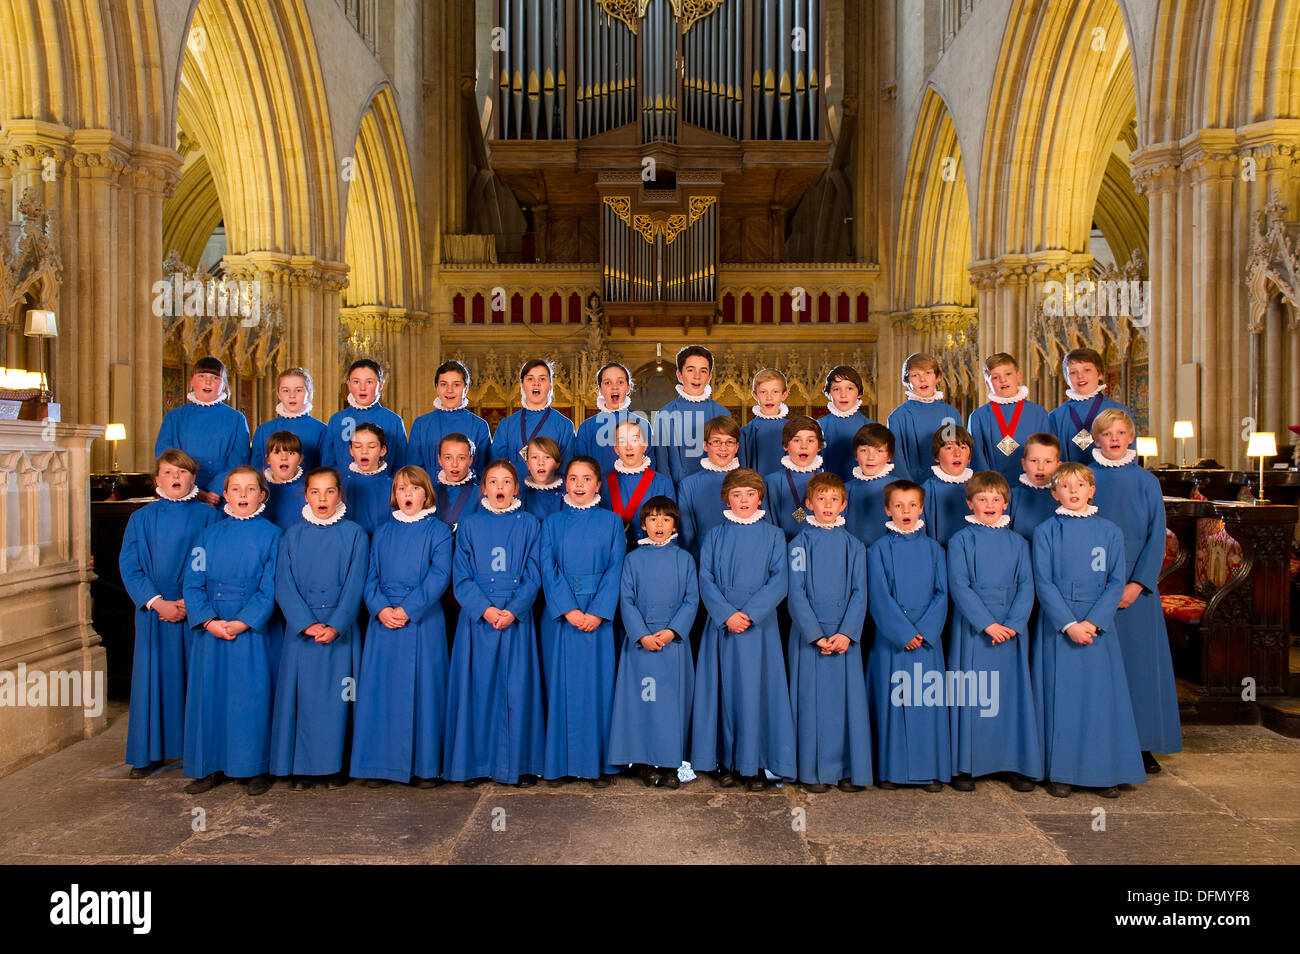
[536, 363]
[661, 504]
[452, 366]
[801, 423]
[210, 365]
[284, 441]
[501, 464]
[957, 435]
[1043, 439]
[322, 472]
[456, 438]
[615, 364]
[583, 459]
[369, 365]
[903, 486]
[1082, 356]
[694, 351]
[842, 372]
[373, 429]
[874, 435]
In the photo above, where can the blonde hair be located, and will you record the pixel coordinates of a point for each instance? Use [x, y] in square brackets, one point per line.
[417, 476]
[770, 374]
[1073, 469]
[1109, 418]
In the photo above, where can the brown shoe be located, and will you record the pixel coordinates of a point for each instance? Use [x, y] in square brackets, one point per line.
[844, 785]
[728, 780]
[756, 783]
[201, 785]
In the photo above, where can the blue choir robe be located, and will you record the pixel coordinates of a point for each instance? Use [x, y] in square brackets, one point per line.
[1061, 423]
[741, 719]
[699, 498]
[216, 437]
[309, 430]
[660, 485]
[651, 721]
[945, 509]
[839, 432]
[496, 723]
[779, 503]
[828, 695]
[679, 435]
[368, 497]
[1030, 506]
[402, 690]
[541, 502]
[907, 592]
[760, 444]
[595, 437]
[865, 515]
[228, 705]
[458, 502]
[991, 580]
[1082, 695]
[581, 564]
[336, 449]
[1129, 496]
[320, 577]
[430, 428]
[913, 424]
[509, 440]
[156, 549]
[284, 502]
[983, 427]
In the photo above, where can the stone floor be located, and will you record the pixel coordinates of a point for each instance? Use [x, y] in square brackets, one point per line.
[1229, 797]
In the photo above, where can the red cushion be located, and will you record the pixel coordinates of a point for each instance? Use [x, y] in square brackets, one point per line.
[1184, 609]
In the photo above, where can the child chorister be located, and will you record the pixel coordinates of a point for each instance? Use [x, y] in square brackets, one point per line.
[633, 481]
[581, 562]
[1031, 495]
[536, 418]
[914, 422]
[993, 723]
[873, 448]
[761, 447]
[1001, 427]
[402, 690]
[1089, 735]
[156, 549]
[741, 722]
[699, 495]
[365, 382]
[293, 414]
[320, 581]
[828, 604]
[212, 432]
[450, 415]
[543, 489]
[595, 436]
[458, 491]
[284, 473]
[496, 726]
[679, 424]
[1084, 400]
[650, 724]
[230, 596]
[844, 420]
[802, 438]
[907, 593]
[368, 481]
[1129, 496]
[945, 490]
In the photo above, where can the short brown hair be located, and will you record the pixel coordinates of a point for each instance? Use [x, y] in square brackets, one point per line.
[586, 461]
[284, 441]
[919, 359]
[177, 458]
[770, 374]
[502, 464]
[1082, 356]
[544, 444]
[874, 435]
[246, 469]
[903, 486]
[724, 424]
[743, 477]
[957, 435]
[329, 472]
[532, 363]
[412, 475]
[825, 481]
[1043, 439]
[799, 423]
[843, 372]
[1073, 469]
[986, 481]
[998, 360]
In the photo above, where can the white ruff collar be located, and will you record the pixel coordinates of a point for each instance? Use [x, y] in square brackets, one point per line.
[839, 522]
[603, 407]
[890, 525]
[1074, 395]
[555, 484]
[442, 478]
[194, 491]
[220, 397]
[1129, 456]
[830, 406]
[622, 468]
[281, 412]
[310, 515]
[997, 524]
[860, 475]
[352, 402]
[230, 513]
[707, 464]
[266, 472]
[352, 466]
[646, 541]
[523, 403]
[413, 517]
[744, 521]
[938, 396]
[464, 403]
[758, 412]
[1024, 479]
[1087, 511]
[512, 506]
[810, 468]
[1021, 394]
[695, 398]
[961, 478]
[568, 501]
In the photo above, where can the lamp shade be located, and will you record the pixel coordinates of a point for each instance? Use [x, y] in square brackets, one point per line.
[41, 324]
[1183, 429]
[115, 432]
[1147, 447]
[1262, 444]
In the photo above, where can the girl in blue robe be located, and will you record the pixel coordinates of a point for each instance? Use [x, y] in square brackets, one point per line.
[292, 414]
[496, 726]
[450, 415]
[365, 382]
[907, 587]
[843, 421]
[284, 475]
[596, 434]
[209, 430]
[785, 486]
[741, 721]
[1009, 412]
[633, 481]
[156, 549]
[581, 562]
[230, 595]
[1089, 735]
[536, 418]
[402, 691]
[828, 603]
[368, 480]
[679, 425]
[660, 595]
[914, 422]
[543, 487]
[457, 489]
[320, 580]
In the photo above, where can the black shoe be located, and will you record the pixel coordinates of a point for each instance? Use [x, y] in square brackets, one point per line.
[669, 779]
[526, 781]
[201, 785]
[887, 786]
[602, 781]
[962, 783]
[756, 783]
[1058, 789]
[301, 784]
[370, 783]
[473, 782]
[728, 780]
[816, 788]
[427, 782]
[340, 781]
[1020, 783]
[557, 782]
[259, 785]
[650, 775]
[143, 771]
[1149, 763]
[932, 787]
[1110, 791]
[844, 785]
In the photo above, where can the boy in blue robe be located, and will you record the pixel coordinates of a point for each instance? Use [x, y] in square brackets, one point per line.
[613, 398]
[450, 415]
[496, 724]
[1001, 427]
[212, 432]
[1129, 496]
[700, 495]
[914, 422]
[284, 474]
[536, 418]
[581, 563]
[828, 603]
[907, 591]
[231, 599]
[543, 490]
[156, 548]
[679, 424]
[760, 439]
[945, 488]
[402, 690]
[1072, 421]
[457, 491]
[368, 481]
[873, 448]
[994, 724]
[365, 382]
[633, 481]
[320, 580]
[1077, 666]
[843, 420]
[741, 721]
[784, 493]
[651, 720]
[1031, 495]
[293, 414]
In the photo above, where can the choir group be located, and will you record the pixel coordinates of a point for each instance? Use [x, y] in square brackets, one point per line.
[840, 602]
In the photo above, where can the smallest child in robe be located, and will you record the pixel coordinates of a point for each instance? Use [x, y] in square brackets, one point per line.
[368, 481]
[828, 603]
[760, 439]
[543, 490]
[292, 413]
[876, 469]
[1031, 495]
[698, 495]
[231, 600]
[458, 492]
[945, 489]
[844, 389]
[284, 479]
[907, 593]
[633, 481]
[925, 411]
[784, 494]
[651, 721]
